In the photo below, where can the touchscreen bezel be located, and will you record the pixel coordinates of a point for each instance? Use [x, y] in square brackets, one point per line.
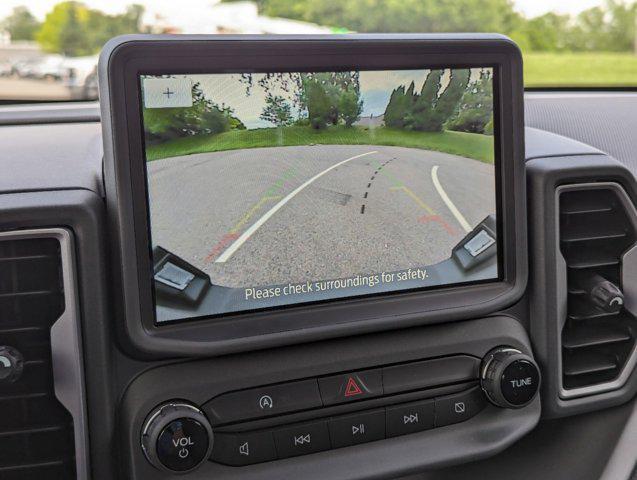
[125, 59]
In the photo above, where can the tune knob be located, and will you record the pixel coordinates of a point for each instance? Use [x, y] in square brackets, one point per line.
[509, 378]
[177, 437]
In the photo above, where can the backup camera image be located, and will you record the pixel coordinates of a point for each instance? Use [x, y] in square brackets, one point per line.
[274, 189]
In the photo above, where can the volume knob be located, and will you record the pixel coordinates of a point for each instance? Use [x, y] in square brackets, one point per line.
[177, 437]
[509, 378]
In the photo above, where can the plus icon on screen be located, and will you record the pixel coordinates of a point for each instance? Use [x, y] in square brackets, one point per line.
[168, 92]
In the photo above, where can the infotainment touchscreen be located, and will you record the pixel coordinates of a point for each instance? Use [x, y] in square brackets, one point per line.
[268, 190]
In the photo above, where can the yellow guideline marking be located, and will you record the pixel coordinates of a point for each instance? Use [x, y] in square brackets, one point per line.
[416, 198]
[256, 225]
[252, 211]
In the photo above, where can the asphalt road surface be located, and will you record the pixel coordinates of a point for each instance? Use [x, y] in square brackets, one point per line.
[289, 214]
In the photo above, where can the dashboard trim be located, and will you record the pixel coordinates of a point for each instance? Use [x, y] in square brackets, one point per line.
[66, 344]
[545, 175]
[629, 367]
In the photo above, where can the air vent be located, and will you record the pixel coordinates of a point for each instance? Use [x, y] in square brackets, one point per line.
[595, 232]
[36, 432]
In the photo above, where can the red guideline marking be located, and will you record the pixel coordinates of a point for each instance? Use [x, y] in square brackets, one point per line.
[438, 219]
[226, 240]
[352, 388]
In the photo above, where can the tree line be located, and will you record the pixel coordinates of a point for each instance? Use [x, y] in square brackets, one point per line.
[74, 29]
[331, 97]
[609, 27]
[464, 105]
[71, 28]
[321, 99]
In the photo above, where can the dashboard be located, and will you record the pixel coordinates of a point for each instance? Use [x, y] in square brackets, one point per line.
[524, 345]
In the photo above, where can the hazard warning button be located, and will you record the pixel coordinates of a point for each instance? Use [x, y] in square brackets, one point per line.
[351, 387]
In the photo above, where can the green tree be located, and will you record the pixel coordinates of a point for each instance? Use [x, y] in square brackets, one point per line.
[101, 27]
[449, 100]
[211, 121]
[548, 32]
[350, 106]
[73, 29]
[319, 105]
[400, 106]
[21, 24]
[622, 30]
[429, 114]
[400, 15]
[277, 111]
[488, 128]
[234, 122]
[609, 27]
[395, 111]
[424, 104]
[431, 87]
[476, 107]
[410, 95]
[430, 109]
[62, 31]
[202, 118]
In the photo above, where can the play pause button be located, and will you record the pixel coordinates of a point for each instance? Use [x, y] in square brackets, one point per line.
[357, 428]
[410, 418]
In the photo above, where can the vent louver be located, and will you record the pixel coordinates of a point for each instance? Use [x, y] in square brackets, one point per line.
[36, 432]
[595, 231]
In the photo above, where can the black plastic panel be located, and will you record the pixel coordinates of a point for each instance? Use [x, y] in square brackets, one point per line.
[548, 274]
[488, 432]
[81, 211]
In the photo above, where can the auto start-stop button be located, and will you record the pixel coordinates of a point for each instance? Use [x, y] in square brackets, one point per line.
[177, 437]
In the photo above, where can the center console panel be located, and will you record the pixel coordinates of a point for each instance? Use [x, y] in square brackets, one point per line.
[413, 398]
[397, 378]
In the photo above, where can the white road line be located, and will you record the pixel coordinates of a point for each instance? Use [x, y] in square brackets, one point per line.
[445, 198]
[256, 225]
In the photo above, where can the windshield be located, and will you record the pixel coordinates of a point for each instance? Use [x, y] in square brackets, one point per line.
[48, 49]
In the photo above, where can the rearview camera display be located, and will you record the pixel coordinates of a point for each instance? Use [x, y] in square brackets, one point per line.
[276, 189]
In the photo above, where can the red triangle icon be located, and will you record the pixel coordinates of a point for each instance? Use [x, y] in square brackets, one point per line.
[352, 388]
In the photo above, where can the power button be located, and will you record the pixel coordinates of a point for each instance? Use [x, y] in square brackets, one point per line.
[177, 437]
[182, 444]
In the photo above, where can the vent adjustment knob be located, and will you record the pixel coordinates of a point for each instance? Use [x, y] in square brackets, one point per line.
[11, 364]
[177, 437]
[509, 378]
[604, 293]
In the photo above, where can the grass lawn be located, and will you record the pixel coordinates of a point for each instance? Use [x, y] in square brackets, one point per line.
[470, 145]
[580, 69]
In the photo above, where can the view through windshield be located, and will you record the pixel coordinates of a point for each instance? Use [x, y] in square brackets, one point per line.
[48, 49]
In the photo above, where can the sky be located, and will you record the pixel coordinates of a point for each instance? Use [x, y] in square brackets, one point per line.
[170, 8]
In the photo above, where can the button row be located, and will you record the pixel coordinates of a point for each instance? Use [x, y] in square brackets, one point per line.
[246, 448]
[338, 389]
